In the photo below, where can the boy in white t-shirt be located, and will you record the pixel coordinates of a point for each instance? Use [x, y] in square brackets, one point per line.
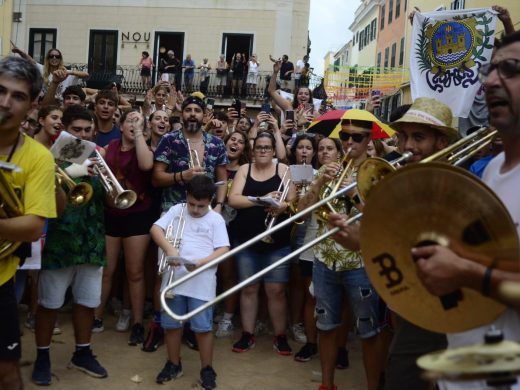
[204, 238]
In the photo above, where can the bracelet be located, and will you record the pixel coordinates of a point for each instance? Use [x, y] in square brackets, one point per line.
[486, 282]
[219, 203]
[174, 179]
[182, 179]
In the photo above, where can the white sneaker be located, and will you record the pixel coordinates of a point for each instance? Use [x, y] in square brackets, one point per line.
[298, 332]
[123, 322]
[225, 328]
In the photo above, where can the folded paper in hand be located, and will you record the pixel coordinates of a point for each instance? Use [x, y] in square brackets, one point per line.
[72, 149]
[265, 201]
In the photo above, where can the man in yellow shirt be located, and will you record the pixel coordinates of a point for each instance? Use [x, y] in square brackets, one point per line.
[20, 84]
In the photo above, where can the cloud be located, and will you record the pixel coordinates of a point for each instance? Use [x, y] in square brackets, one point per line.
[328, 28]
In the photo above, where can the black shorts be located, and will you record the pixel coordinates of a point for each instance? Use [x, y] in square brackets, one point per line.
[145, 72]
[135, 224]
[10, 343]
[306, 268]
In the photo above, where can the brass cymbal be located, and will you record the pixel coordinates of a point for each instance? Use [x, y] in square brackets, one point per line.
[435, 200]
[480, 361]
[370, 173]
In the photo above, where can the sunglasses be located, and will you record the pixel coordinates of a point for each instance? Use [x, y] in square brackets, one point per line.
[356, 137]
[506, 69]
[55, 56]
[263, 148]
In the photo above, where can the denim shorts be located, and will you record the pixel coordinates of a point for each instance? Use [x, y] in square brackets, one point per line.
[181, 304]
[329, 288]
[250, 261]
[85, 281]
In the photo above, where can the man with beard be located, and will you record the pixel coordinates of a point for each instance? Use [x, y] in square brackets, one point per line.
[20, 84]
[441, 270]
[172, 168]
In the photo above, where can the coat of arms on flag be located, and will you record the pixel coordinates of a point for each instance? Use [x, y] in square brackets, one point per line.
[448, 49]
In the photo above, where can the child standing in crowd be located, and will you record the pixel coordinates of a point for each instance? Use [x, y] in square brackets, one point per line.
[204, 238]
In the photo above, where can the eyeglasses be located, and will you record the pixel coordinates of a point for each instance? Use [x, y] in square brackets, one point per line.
[263, 148]
[505, 68]
[356, 137]
[33, 124]
[55, 56]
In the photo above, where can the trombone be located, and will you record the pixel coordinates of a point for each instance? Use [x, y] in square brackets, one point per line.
[175, 240]
[117, 196]
[78, 194]
[248, 243]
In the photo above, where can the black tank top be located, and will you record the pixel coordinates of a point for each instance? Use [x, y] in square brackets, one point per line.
[250, 221]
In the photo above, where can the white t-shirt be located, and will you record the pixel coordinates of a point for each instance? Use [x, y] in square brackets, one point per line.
[253, 67]
[201, 237]
[298, 71]
[506, 187]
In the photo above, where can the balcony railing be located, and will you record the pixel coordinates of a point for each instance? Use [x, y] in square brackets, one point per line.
[130, 79]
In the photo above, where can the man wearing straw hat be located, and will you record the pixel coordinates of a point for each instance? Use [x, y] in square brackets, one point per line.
[423, 130]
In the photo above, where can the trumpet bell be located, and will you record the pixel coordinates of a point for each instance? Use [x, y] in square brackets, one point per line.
[123, 200]
[80, 194]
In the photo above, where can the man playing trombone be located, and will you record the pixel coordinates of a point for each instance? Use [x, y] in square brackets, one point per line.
[337, 271]
[20, 84]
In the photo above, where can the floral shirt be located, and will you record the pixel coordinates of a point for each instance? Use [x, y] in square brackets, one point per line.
[332, 254]
[173, 151]
[78, 235]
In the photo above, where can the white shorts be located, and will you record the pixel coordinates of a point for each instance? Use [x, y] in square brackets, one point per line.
[252, 78]
[84, 279]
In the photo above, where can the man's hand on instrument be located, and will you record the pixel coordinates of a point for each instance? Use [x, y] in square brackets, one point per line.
[440, 269]
[348, 235]
[189, 174]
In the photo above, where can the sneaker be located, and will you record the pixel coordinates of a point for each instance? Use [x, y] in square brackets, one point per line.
[155, 337]
[306, 353]
[281, 346]
[30, 322]
[246, 342]
[208, 378]
[136, 335]
[225, 328]
[298, 332]
[97, 325]
[170, 371]
[260, 328]
[41, 374]
[56, 330]
[342, 359]
[85, 361]
[189, 338]
[123, 322]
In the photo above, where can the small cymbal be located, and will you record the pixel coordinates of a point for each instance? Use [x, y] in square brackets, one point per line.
[480, 361]
[429, 200]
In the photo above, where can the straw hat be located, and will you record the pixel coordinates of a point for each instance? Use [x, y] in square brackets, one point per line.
[430, 112]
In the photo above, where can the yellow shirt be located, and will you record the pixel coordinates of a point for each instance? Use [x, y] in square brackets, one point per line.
[36, 181]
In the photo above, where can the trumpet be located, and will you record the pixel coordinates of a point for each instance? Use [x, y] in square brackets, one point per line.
[194, 156]
[117, 196]
[78, 194]
[175, 240]
[271, 219]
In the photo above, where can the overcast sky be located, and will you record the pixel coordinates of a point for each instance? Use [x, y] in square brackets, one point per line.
[328, 28]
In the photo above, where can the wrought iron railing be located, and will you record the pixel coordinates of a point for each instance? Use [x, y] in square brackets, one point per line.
[131, 82]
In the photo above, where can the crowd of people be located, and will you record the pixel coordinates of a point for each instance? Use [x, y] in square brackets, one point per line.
[172, 186]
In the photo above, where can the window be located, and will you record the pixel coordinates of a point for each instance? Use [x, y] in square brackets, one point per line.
[236, 43]
[379, 60]
[401, 53]
[386, 57]
[361, 41]
[405, 4]
[397, 8]
[390, 11]
[383, 17]
[392, 60]
[367, 35]
[41, 40]
[373, 27]
[457, 4]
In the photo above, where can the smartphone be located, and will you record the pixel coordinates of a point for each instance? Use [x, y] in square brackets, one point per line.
[266, 107]
[289, 115]
[209, 103]
[236, 105]
[243, 105]
[376, 92]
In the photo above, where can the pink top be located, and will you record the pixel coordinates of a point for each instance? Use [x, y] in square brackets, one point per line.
[146, 62]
